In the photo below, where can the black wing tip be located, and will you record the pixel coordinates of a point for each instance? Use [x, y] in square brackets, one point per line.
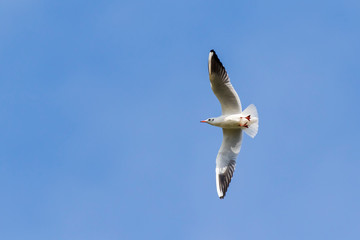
[225, 178]
[214, 55]
[223, 196]
[216, 64]
[225, 182]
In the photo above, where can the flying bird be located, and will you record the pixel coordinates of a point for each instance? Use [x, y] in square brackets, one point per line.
[232, 121]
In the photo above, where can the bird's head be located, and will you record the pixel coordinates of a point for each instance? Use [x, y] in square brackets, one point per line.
[209, 121]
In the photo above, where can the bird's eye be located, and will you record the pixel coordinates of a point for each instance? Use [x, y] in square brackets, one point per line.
[209, 119]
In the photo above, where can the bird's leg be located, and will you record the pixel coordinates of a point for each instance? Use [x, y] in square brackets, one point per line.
[244, 125]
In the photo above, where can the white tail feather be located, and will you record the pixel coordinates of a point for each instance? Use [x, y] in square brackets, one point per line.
[254, 120]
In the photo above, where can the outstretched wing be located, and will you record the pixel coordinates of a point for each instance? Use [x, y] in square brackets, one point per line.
[221, 86]
[226, 159]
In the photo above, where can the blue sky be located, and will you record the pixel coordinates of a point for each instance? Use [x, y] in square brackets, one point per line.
[100, 110]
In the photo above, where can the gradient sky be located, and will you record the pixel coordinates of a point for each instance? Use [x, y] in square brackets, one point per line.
[100, 110]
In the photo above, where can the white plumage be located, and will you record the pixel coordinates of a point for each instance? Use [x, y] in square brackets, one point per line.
[233, 120]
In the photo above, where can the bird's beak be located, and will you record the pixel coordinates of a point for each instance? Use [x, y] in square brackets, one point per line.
[203, 121]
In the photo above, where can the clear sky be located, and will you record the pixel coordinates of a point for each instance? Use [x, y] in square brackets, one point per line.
[100, 110]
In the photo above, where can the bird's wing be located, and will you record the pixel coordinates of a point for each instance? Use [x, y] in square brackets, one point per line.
[221, 86]
[226, 159]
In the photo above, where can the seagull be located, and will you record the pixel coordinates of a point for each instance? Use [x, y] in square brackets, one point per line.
[232, 121]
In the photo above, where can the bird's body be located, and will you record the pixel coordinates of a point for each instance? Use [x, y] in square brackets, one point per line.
[233, 121]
